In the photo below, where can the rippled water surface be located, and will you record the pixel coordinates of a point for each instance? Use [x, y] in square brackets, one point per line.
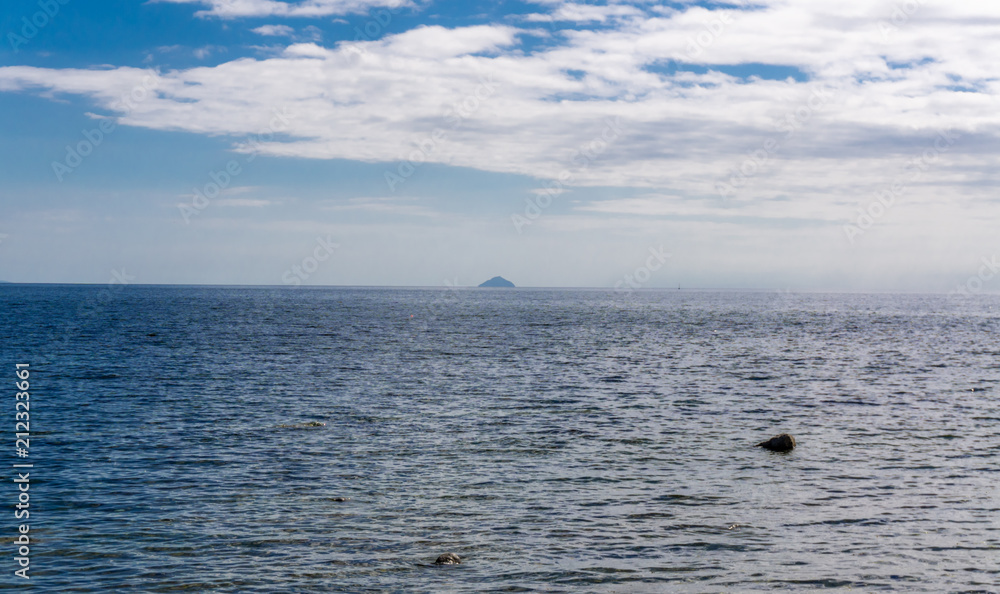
[558, 440]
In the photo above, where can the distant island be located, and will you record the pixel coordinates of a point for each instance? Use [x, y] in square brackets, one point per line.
[497, 281]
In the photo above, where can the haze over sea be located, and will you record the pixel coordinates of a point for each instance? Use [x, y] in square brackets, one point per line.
[558, 440]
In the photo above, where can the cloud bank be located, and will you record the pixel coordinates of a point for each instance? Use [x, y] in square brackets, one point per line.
[779, 109]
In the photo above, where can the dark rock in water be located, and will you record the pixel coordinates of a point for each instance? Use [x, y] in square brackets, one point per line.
[448, 559]
[303, 425]
[779, 443]
[497, 281]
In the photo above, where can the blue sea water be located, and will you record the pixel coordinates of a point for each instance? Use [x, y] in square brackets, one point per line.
[200, 439]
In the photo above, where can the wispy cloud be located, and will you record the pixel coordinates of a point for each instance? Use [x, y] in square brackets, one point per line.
[245, 202]
[274, 30]
[584, 13]
[205, 51]
[301, 8]
[394, 206]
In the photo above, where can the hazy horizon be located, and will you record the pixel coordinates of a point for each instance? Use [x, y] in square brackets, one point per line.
[114, 286]
[775, 144]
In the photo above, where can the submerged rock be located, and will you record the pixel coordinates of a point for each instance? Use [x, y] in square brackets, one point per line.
[448, 559]
[779, 443]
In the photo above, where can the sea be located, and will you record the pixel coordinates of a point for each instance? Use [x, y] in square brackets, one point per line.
[340, 439]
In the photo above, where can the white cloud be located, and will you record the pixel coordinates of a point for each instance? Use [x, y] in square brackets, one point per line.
[203, 52]
[473, 97]
[312, 33]
[274, 30]
[436, 42]
[582, 13]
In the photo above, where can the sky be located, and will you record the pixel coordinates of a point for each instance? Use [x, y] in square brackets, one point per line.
[782, 144]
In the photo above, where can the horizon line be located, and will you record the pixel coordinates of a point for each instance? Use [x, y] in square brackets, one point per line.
[640, 289]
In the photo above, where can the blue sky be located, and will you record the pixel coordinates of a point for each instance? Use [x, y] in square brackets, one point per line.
[770, 144]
